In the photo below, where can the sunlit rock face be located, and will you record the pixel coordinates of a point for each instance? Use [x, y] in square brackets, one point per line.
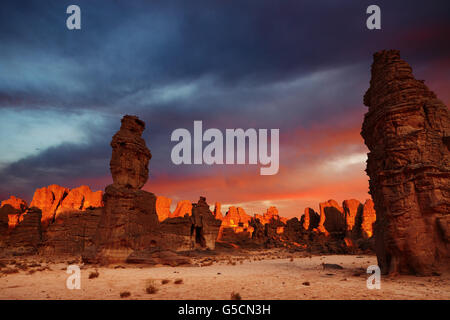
[310, 219]
[217, 211]
[407, 130]
[163, 207]
[130, 155]
[368, 219]
[353, 217]
[11, 212]
[129, 220]
[26, 238]
[235, 225]
[236, 217]
[184, 207]
[332, 217]
[54, 200]
[49, 199]
[79, 199]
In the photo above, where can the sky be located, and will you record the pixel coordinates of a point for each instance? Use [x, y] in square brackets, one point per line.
[299, 66]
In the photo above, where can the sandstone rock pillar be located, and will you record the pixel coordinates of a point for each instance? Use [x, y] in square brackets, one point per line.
[407, 130]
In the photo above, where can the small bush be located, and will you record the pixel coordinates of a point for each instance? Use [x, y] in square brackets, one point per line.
[150, 287]
[165, 281]
[178, 281]
[235, 296]
[125, 294]
[94, 274]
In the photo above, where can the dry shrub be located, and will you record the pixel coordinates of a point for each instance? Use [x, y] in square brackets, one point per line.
[178, 281]
[150, 287]
[235, 296]
[125, 294]
[94, 274]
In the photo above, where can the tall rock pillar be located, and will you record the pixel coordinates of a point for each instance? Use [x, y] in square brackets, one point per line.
[407, 130]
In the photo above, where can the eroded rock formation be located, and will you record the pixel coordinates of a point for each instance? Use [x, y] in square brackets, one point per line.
[353, 217]
[184, 207]
[163, 207]
[27, 236]
[205, 227]
[310, 219]
[55, 200]
[217, 211]
[48, 199]
[11, 212]
[332, 217]
[368, 219]
[72, 232]
[130, 155]
[407, 130]
[129, 220]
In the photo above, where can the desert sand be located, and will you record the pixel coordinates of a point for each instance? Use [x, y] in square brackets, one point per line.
[264, 274]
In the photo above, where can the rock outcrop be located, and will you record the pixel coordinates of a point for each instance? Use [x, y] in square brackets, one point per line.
[217, 211]
[27, 236]
[55, 200]
[129, 220]
[72, 232]
[11, 213]
[236, 217]
[332, 217]
[184, 207]
[48, 199]
[163, 207]
[310, 219]
[368, 219]
[407, 130]
[80, 199]
[353, 217]
[205, 227]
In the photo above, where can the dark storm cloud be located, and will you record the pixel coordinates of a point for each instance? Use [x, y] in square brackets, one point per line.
[268, 64]
[123, 48]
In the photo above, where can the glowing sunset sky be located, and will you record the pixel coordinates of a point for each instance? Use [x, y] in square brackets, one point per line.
[300, 66]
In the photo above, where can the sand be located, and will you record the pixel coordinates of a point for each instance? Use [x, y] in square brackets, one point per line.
[261, 275]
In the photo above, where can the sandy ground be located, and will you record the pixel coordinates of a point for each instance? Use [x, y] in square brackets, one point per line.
[263, 275]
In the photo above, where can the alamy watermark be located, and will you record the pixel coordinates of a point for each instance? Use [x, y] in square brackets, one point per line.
[74, 280]
[374, 281]
[235, 147]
